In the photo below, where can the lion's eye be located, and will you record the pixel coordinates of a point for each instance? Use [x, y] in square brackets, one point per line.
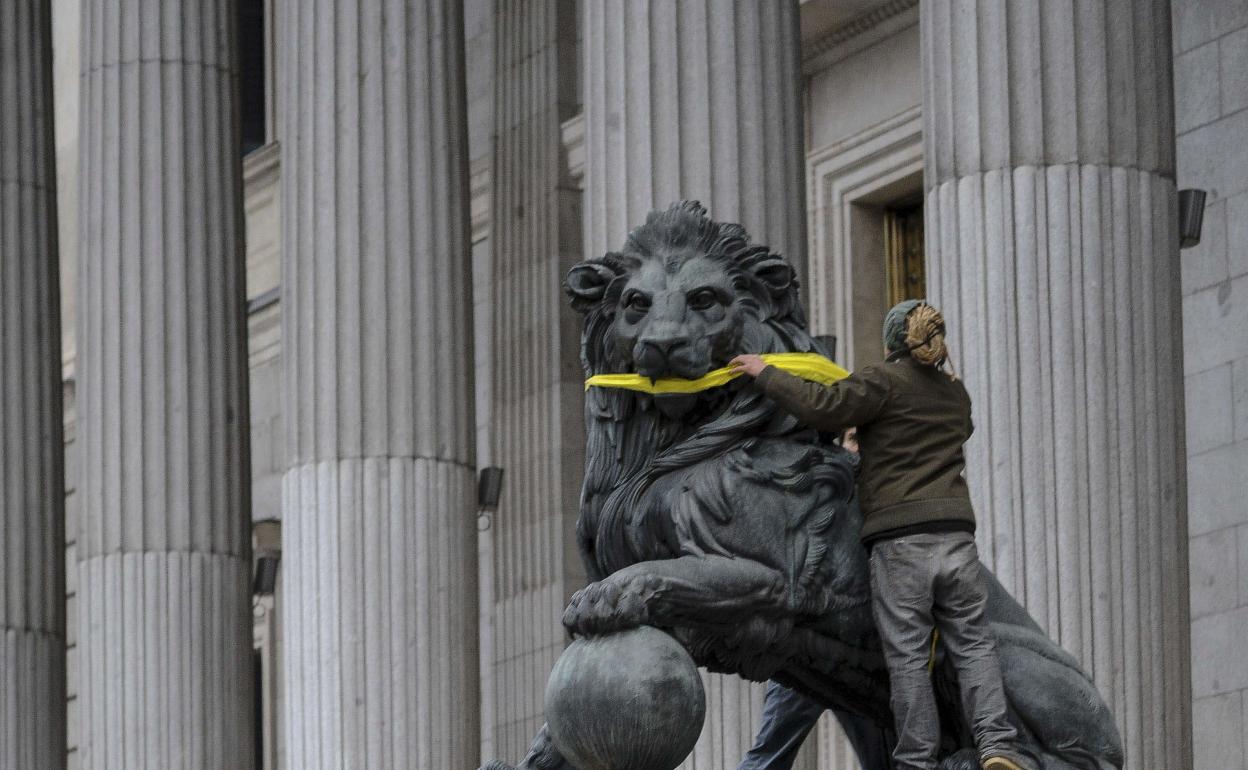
[637, 301]
[703, 299]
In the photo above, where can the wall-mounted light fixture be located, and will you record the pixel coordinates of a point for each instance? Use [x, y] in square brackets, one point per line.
[489, 487]
[264, 582]
[1191, 217]
[266, 546]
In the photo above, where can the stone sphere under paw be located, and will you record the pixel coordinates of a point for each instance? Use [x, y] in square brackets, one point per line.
[631, 700]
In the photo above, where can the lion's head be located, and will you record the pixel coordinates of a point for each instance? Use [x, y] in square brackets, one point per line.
[683, 296]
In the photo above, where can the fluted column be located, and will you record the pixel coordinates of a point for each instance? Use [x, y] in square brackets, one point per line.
[698, 99]
[32, 541]
[379, 569]
[1052, 248]
[695, 99]
[164, 542]
[538, 430]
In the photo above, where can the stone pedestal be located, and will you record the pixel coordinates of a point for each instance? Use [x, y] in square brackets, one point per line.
[699, 99]
[164, 660]
[1052, 248]
[379, 569]
[32, 540]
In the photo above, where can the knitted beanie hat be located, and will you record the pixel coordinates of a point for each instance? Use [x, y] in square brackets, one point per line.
[895, 324]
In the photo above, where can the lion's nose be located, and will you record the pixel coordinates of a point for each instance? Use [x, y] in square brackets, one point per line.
[655, 355]
[665, 347]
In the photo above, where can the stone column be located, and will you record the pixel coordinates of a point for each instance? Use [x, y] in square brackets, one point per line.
[379, 571]
[1052, 248]
[164, 656]
[32, 541]
[537, 430]
[697, 99]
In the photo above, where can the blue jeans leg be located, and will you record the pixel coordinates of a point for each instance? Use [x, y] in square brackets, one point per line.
[788, 717]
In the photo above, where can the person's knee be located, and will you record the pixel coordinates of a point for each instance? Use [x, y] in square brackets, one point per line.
[911, 685]
[970, 650]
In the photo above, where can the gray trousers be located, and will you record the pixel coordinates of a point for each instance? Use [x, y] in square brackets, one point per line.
[933, 581]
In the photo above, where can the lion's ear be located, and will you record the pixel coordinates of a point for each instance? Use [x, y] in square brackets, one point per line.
[774, 273]
[587, 282]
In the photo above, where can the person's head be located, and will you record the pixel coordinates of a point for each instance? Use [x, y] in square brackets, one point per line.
[916, 327]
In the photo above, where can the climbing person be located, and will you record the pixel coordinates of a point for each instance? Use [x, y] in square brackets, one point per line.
[913, 417]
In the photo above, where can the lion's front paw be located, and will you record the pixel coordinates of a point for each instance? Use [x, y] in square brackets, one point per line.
[603, 607]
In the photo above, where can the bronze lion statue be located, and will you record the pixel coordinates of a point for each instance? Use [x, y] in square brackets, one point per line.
[718, 518]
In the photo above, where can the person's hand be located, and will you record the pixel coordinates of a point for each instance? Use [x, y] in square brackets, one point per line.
[748, 363]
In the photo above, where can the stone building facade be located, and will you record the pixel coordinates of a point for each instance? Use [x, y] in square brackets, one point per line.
[1211, 112]
[1018, 162]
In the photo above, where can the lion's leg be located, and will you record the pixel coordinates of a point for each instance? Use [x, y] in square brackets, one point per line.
[1057, 705]
[689, 592]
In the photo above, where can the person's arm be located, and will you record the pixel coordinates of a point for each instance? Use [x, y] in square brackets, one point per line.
[970, 422]
[855, 400]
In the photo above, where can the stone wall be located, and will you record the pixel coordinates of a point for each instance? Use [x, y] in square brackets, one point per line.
[1211, 121]
[881, 77]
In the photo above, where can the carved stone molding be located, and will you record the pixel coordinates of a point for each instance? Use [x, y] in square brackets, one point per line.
[859, 33]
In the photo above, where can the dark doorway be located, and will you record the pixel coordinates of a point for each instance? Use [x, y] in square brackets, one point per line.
[257, 667]
[251, 74]
[903, 244]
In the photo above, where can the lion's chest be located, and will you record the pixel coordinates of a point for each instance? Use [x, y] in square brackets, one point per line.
[637, 525]
[717, 506]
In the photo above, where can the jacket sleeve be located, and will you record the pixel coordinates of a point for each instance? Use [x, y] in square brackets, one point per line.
[970, 422]
[855, 400]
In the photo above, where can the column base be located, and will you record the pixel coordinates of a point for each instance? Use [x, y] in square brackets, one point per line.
[164, 663]
[379, 612]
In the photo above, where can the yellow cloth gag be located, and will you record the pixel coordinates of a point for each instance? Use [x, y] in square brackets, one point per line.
[808, 366]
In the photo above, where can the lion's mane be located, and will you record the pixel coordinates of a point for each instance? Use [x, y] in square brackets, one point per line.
[632, 445]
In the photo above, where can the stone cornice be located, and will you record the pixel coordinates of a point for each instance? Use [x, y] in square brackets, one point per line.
[836, 44]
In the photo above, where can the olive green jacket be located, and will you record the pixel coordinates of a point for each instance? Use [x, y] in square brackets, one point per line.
[912, 422]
